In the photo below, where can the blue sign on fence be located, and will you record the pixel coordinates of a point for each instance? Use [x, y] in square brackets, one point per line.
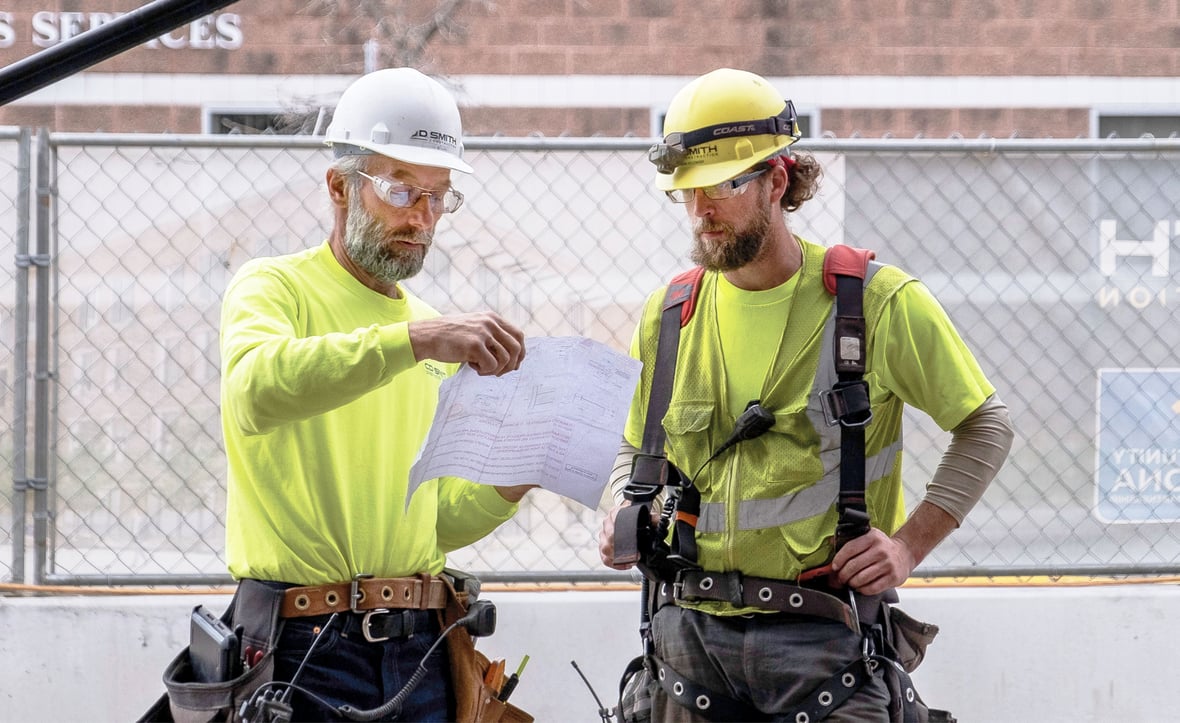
[1138, 475]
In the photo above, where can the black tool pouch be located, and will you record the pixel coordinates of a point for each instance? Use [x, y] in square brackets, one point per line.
[255, 610]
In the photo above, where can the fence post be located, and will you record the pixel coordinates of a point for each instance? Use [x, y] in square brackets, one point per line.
[39, 483]
[20, 356]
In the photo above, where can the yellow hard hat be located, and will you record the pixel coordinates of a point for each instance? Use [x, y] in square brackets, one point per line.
[719, 125]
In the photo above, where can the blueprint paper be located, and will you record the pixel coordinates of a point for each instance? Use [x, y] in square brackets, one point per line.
[556, 422]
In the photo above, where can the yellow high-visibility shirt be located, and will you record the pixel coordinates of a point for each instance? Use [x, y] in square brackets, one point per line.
[323, 411]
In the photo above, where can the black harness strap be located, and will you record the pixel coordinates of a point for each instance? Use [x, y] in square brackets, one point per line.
[649, 472]
[709, 704]
[849, 398]
[746, 591]
[650, 469]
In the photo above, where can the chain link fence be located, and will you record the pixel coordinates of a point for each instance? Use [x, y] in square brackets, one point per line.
[1052, 258]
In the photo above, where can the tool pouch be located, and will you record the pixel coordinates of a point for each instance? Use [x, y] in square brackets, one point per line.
[907, 636]
[193, 702]
[635, 688]
[255, 610]
[907, 639]
[475, 702]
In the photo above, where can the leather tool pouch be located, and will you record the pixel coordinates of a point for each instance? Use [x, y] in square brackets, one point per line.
[475, 702]
[254, 610]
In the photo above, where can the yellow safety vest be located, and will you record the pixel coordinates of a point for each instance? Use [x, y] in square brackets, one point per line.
[768, 504]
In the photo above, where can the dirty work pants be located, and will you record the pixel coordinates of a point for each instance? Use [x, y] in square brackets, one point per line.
[771, 661]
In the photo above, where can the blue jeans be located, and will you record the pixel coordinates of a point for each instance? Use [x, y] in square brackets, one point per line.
[346, 669]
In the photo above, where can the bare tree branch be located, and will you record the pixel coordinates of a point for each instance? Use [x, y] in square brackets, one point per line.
[401, 42]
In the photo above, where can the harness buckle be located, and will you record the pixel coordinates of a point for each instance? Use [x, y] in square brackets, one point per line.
[367, 622]
[717, 586]
[847, 404]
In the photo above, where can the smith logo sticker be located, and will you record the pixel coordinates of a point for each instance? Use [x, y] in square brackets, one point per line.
[435, 137]
[701, 154]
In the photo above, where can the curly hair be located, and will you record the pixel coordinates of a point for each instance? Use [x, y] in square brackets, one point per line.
[805, 174]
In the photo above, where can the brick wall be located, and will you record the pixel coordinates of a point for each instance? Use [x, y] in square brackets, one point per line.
[670, 37]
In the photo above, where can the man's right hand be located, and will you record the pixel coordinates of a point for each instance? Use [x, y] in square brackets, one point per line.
[606, 539]
[482, 340]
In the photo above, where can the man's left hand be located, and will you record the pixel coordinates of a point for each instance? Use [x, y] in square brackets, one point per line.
[873, 563]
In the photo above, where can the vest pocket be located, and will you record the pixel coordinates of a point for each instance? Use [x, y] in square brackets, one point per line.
[689, 428]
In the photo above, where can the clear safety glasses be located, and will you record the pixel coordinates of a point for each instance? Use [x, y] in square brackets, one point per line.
[725, 189]
[403, 195]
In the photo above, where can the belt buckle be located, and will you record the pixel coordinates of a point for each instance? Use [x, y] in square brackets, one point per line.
[367, 621]
[355, 594]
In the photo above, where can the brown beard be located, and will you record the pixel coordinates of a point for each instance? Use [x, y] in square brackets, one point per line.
[737, 249]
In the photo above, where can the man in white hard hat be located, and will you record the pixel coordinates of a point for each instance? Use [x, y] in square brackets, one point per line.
[780, 433]
[331, 371]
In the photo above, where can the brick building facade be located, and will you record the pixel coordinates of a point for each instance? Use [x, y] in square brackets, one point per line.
[932, 68]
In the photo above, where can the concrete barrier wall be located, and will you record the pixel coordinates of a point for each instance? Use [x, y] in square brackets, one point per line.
[1070, 654]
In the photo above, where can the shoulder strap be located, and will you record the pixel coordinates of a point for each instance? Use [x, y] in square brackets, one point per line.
[679, 305]
[848, 401]
[650, 469]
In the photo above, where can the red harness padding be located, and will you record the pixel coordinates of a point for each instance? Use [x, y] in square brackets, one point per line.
[839, 260]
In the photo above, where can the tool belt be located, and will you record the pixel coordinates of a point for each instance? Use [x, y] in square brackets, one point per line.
[423, 592]
[780, 596]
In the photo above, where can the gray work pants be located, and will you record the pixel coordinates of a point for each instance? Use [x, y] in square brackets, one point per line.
[771, 662]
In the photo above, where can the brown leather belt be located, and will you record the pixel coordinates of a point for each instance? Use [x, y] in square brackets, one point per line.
[424, 592]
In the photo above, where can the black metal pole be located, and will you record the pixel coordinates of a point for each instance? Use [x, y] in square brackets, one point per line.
[96, 45]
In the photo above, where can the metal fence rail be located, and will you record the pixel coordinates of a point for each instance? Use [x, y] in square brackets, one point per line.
[1052, 258]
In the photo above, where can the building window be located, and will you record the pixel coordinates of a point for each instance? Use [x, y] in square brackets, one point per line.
[267, 121]
[1138, 125]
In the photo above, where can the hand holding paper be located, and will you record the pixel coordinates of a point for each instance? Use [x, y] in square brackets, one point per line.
[555, 422]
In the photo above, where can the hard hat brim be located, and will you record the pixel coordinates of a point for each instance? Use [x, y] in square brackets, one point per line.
[409, 154]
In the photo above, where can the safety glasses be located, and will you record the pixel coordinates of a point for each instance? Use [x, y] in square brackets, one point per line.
[725, 189]
[403, 195]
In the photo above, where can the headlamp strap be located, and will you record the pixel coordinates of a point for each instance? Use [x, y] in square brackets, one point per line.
[783, 124]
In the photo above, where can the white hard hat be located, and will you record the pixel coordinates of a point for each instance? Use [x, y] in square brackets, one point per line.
[402, 114]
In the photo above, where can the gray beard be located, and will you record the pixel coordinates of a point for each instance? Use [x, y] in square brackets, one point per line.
[369, 244]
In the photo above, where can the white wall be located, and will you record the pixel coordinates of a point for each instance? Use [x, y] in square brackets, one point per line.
[1098, 653]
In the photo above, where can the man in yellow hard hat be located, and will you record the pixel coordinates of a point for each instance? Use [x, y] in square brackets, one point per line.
[780, 442]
